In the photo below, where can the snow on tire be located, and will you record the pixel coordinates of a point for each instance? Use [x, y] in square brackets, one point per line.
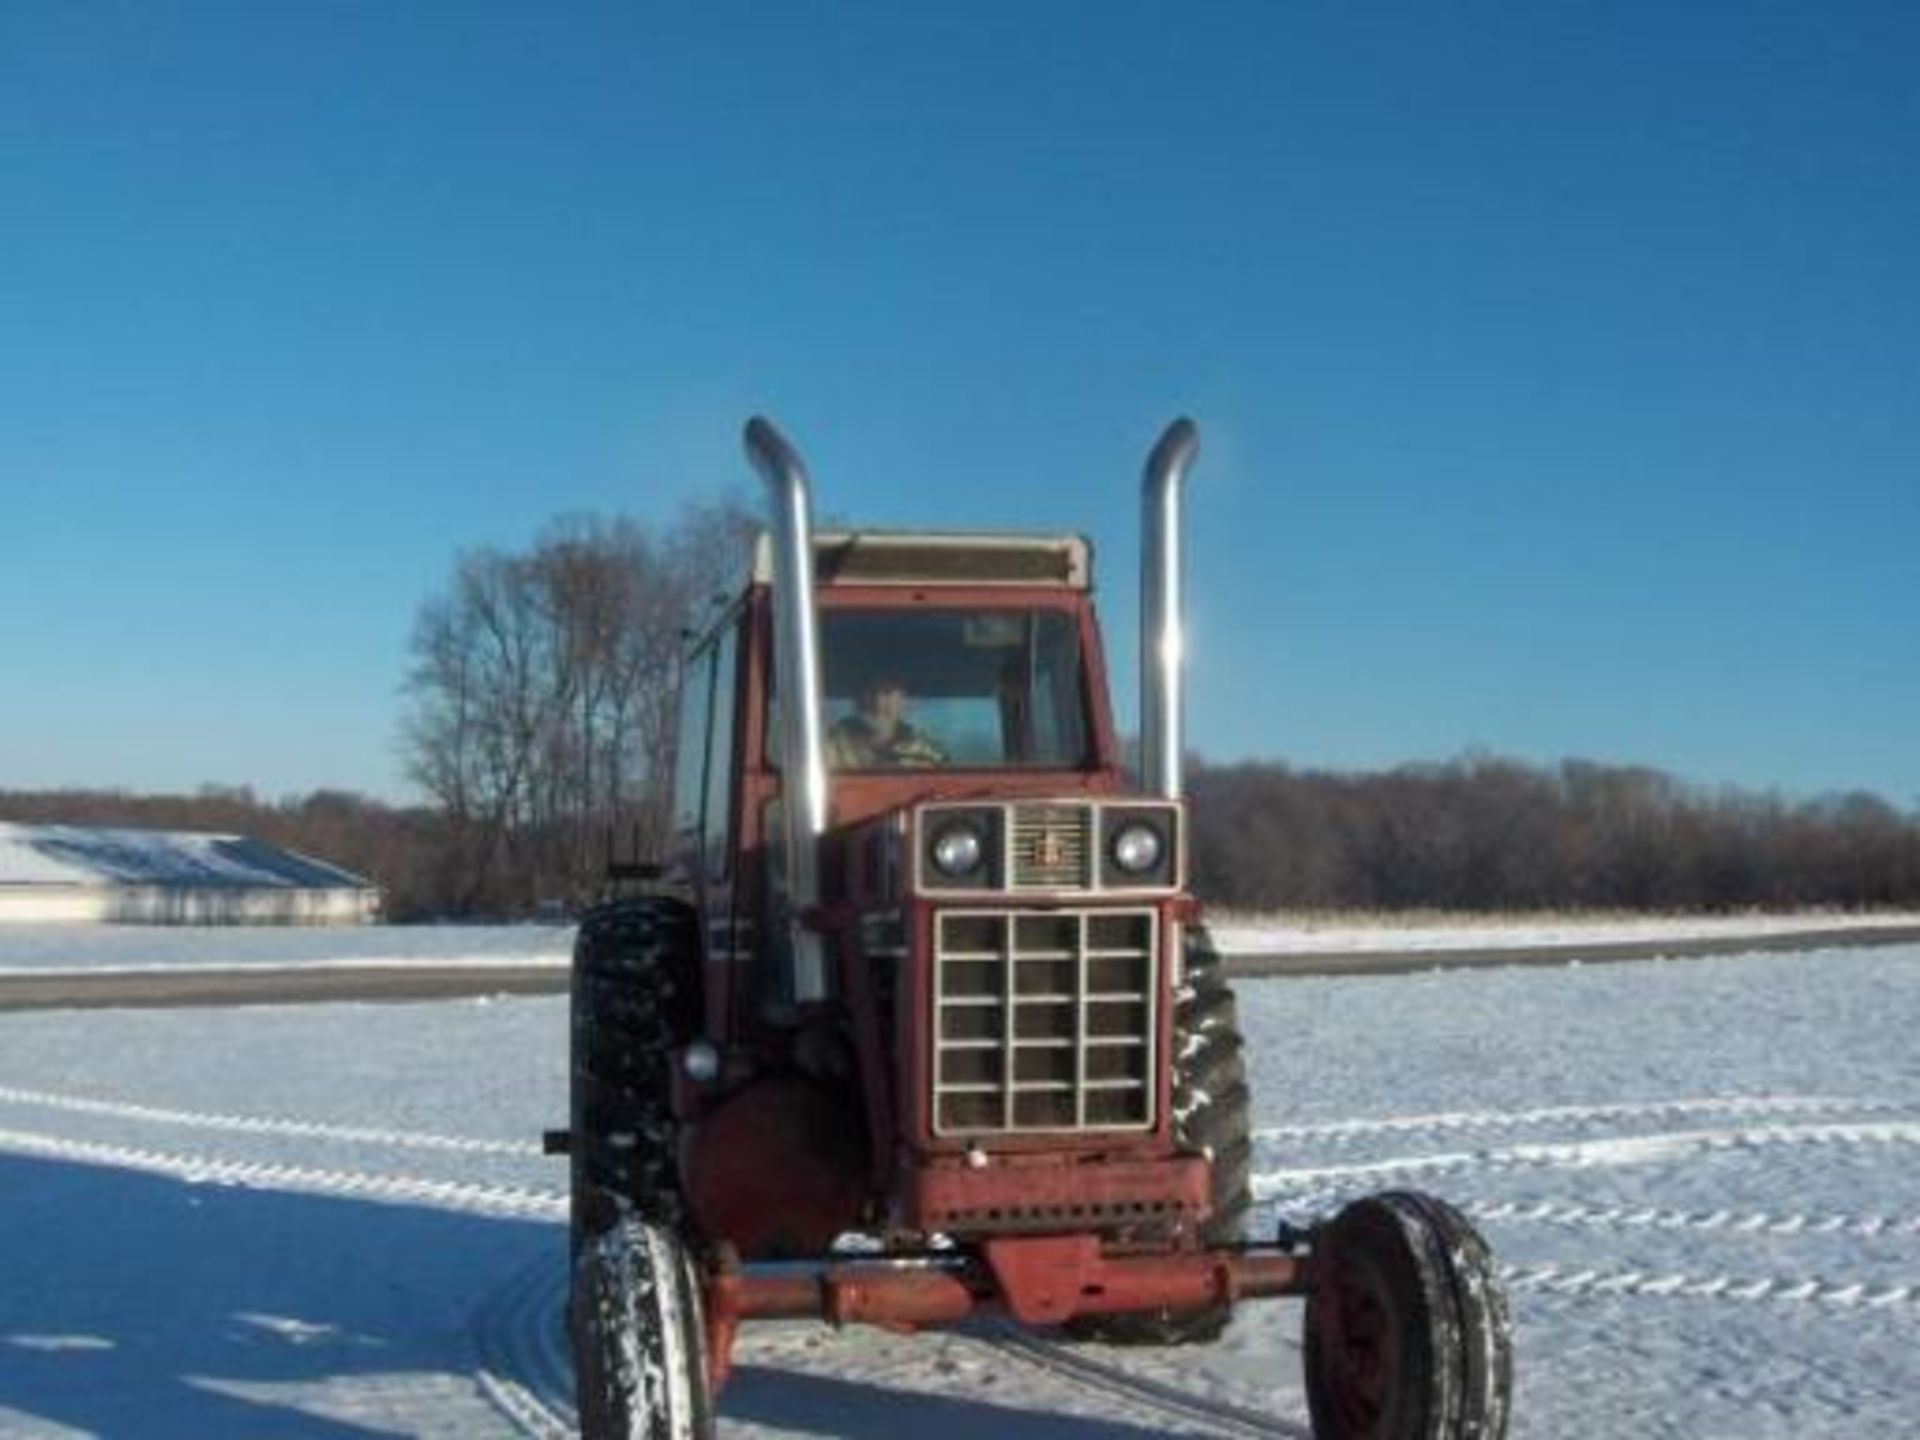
[639, 1338]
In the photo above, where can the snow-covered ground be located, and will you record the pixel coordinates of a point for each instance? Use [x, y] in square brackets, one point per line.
[332, 1220]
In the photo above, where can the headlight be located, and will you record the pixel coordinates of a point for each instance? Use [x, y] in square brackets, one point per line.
[1136, 848]
[958, 851]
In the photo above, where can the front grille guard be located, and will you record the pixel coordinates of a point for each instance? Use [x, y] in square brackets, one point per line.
[1045, 1021]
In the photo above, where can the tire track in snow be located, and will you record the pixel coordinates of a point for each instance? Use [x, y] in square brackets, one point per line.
[1170, 1400]
[263, 1125]
[1579, 1154]
[1567, 1280]
[524, 1369]
[506, 1201]
[1448, 1122]
[1643, 1217]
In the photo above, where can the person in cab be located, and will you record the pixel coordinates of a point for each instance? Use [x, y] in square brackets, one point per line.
[878, 735]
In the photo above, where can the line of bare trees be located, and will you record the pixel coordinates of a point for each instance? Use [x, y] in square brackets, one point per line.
[1475, 834]
[1483, 833]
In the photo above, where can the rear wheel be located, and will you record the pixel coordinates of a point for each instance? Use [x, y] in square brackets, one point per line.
[1406, 1334]
[1211, 1107]
[639, 1337]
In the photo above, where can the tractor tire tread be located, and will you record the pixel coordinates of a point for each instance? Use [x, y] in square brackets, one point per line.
[628, 1014]
[635, 1323]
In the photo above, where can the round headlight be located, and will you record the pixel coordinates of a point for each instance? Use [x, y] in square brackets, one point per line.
[1136, 849]
[957, 851]
[701, 1062]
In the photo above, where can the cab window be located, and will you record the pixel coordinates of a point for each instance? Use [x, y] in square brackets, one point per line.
[690, 756]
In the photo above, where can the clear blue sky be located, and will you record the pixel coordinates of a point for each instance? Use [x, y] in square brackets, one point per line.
[1558, 364]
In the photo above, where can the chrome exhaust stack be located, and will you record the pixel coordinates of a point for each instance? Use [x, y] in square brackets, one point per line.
[1162, 620]
[796, 662]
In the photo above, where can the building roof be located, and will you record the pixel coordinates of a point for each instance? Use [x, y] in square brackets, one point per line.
[77, 855]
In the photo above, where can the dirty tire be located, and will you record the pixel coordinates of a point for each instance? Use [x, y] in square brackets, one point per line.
[1211, 1113]
[639, 1337]
[1406, 1335]
[635, 996]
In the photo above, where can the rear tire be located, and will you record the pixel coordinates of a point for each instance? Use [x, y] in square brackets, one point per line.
[1211, 1114]
[639, 1337]
[635, 997]
[1406, 1334]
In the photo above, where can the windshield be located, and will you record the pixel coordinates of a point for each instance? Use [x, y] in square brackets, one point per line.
[920, 689]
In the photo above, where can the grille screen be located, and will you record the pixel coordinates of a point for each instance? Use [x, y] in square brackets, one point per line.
[1051, 847]
[1043, 1020]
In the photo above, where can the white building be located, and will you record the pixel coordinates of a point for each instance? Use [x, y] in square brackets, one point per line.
[170, 877]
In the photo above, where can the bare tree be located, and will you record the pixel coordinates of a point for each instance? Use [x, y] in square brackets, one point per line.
[543, 690]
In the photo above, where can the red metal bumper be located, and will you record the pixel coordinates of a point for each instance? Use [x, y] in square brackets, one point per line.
[1039, 1280]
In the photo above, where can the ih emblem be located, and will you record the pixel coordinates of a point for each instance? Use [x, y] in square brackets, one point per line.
[1050, 849]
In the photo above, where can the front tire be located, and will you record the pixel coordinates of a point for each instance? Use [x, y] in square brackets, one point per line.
[1406, 1334]
[639, 1337]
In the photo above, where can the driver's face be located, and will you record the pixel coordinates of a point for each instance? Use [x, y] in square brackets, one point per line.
[884, 705]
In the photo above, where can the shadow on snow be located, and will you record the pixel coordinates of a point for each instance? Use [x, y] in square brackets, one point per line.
[858, 1410]
[135, 1303]
[139, 1304]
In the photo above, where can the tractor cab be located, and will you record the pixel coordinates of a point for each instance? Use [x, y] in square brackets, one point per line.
[948, 656]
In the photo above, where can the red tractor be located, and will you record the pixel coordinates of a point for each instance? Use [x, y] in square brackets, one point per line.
[923, 969]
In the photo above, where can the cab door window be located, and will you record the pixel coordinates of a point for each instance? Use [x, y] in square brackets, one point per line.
[719, 777]
[690, 758]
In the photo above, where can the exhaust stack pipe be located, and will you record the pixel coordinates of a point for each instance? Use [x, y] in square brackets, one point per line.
[1162, 621]
[803, 763]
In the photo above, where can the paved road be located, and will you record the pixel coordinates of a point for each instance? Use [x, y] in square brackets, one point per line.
[266, 985]
[272, 985]
[1402, 962]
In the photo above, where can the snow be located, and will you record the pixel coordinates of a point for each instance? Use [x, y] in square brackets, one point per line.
[1703, 1177]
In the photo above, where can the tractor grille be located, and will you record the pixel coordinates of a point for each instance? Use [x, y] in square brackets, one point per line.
[1043, 1020]
[1051, 847]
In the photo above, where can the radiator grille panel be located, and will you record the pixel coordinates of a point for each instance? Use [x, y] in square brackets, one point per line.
[1052, 847]
[1044, 1020]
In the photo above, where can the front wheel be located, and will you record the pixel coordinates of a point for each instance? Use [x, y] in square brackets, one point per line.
[639, 1337]
[1406, 1334]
